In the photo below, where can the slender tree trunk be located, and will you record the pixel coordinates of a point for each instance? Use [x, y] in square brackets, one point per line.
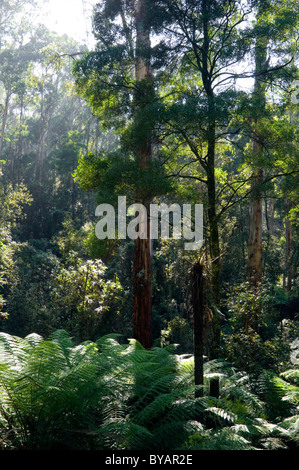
[20, 141]
[142, 258]
[4, 120]
[215, 257]
[288, 267]
[198, 324]
[211, 186]
[37, 171]
[255, 248]
[288, 228]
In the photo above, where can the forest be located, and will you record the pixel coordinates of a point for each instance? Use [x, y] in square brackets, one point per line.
[112, 339]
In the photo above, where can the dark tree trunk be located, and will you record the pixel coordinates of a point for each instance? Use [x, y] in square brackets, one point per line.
[288, 267]
[216, 267]
[211, 186]
[142, 292]
[142, 264]
[198, 324]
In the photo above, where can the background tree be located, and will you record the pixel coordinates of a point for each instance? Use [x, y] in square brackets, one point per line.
[208, 44]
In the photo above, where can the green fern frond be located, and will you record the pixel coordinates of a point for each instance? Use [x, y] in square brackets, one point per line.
[291, 428]
[110, 395]
[291, 375]
[11, 351]
[224, 414]
[221, 439]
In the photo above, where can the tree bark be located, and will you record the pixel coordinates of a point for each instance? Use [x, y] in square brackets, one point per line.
[142, 262]
[198, 324]
[255, 248]
[211, 186]
[215, 260]
[289, 236]
[4, 119]
[288, 266]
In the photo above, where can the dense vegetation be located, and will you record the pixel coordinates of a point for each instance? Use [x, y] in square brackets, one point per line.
[115, 344]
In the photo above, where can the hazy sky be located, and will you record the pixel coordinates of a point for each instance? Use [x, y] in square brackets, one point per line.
[73, 17]
[70, 17]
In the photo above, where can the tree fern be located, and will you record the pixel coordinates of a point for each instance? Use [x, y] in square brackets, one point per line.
[108, 395]
[156, 405]
[47, 393]
[287, 389]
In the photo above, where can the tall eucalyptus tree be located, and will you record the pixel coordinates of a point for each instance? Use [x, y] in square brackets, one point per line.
[117, 81]
[274, 32]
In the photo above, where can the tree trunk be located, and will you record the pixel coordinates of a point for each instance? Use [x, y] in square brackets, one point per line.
[198, 324]
[19, 146]
[142, 263]
[255, 252]
[4, 120]
[142, 292]
[288, 267]
[255, 248]
[289, 233]
[211, 186]
[215, 259]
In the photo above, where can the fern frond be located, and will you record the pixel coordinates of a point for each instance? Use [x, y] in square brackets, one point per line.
[291, 375]
[121, 396]
[291, 428]
[224, 414]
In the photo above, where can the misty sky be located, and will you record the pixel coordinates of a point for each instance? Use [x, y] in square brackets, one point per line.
[70, 17]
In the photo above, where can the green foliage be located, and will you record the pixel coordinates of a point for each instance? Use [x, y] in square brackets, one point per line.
[94, 394]
[280, 393]
[178, 332]
[45, 291]
[13, 200]
[48, 390]
[29, 280]
[86, 302]
[114, 396]
[252, 350]
[115, 174]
